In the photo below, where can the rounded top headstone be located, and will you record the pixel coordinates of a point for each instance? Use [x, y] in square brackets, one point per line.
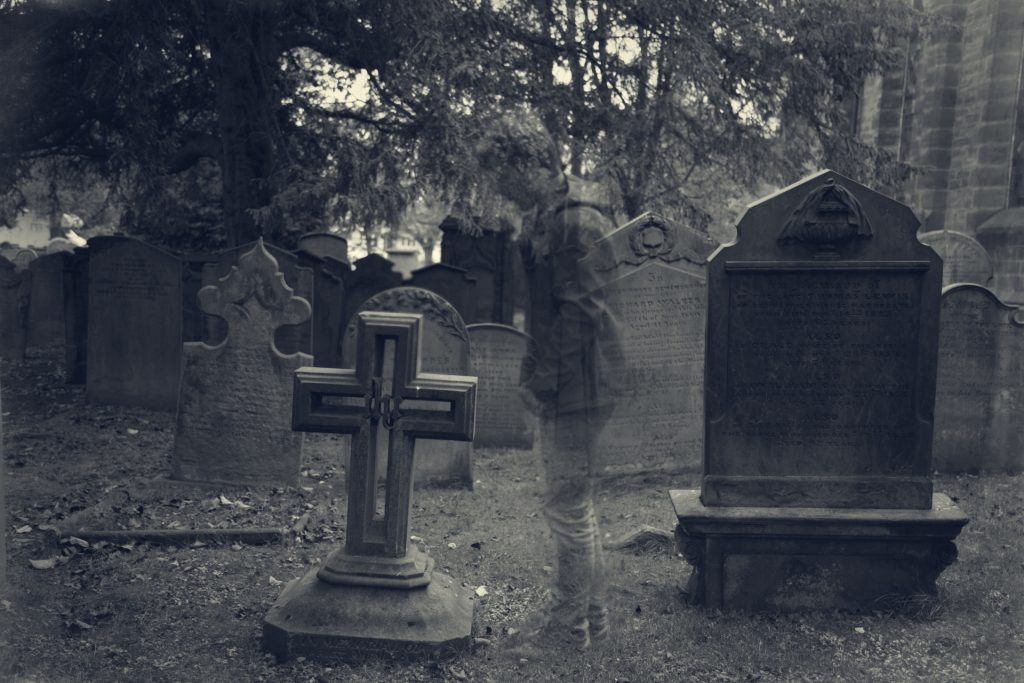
[964, 258]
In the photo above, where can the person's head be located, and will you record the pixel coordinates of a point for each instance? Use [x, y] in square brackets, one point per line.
[521, 157]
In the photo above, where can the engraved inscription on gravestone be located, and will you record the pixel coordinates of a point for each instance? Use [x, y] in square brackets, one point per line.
[980, 387]
[496, 355]
[652, 282]
[822, 338]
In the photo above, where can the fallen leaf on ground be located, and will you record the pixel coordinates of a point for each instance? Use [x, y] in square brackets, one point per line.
[275, 582]
[23, 529]
[49, 563]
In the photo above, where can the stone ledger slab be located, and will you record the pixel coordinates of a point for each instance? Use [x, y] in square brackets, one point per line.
[794, 559]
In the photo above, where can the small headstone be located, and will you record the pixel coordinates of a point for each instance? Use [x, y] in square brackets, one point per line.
[371, 274]
[496, 357]
[234, 413]
[379, 594]
[15, 299]
[46, 312]
[134, 324]
[289, 338]
[822, 342]
[76, 315]
[963, 257]
[325, 245]
[445, 349]
[451, 284]
[653, 282]
[491, 260]
[980, 389]
[59, 244]
[24, 257]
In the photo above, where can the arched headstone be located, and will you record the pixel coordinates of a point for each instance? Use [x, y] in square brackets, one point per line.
[963, 257]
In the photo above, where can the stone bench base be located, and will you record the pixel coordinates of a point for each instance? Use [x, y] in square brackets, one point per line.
[792, 559]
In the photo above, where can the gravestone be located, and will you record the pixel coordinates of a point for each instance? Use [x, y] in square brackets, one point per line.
[325, 245]
[3, 505]
[378, 595]
[15, 299]
[289, 338]
[963, 257]
[451, 284]
[233, 422]
[371, 274]
[822, 341]
[489, 259]
[134, 324]
[328, 299]
[59, 244]
[195, 274]
[651, 277]
[76, 315]
[445, 348]
[979, 402]
[24, 257]
[496, 355]
[46, 311]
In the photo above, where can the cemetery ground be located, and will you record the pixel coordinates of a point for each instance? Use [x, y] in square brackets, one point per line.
[135, 610]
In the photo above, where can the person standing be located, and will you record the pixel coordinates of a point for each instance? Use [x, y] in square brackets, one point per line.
[567, 379]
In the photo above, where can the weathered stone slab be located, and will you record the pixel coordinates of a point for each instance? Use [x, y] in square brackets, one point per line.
[325, 245]
[46, 310]
[979, 402]
[963, 257]
[234, 413]
[76, 315]
[450, 283]
[653, 283]
[821, 353]
[15, 298]
[496, 357]
[134, 324]
[445, 350]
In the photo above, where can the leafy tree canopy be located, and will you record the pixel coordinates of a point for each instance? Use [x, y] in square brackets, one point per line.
[214, 121]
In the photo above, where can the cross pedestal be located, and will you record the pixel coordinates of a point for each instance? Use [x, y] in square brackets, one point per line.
[377, 595]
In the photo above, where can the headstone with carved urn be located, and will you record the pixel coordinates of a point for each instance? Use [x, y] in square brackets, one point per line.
[378, 595]
[821, 360]
[445, 348]
[652, 280]
[233, 422]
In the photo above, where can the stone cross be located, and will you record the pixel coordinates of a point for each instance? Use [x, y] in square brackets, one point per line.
[386, 404]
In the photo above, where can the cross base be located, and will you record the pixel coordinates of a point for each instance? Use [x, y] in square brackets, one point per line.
[411, 571]
[795, 559]
[322, 621]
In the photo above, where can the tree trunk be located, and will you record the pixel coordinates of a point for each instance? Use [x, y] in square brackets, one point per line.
[243, 59]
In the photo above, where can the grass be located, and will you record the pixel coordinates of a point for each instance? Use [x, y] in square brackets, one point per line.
[142, 612]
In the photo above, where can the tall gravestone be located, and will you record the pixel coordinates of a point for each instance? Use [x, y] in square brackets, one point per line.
[289, 338]
[490, 259]
[46, 310]
[445, 349]
[822, 341]
[496, 356]
[328, 299]
[15, 298]
[233, 422]
[76, 315]
[134, 324]
[378, 595]
[979, 403]
[651, 277]
[451, 284]
[963, 257]
[369, 275]
[325, 245]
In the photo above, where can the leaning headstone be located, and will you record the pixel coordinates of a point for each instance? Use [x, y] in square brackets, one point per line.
[980, 389]
[233, 423]
[379, 594]
[822, 342]
[963, 257]
[15, 299]
[651, 277]
[76, 315]
[371, 274]
[134, 324]
[46, 312]
[24, 257]
[445, 349]
[289, 338]
[451, 284]
[490, 259]
[496, 356]
[325, 245]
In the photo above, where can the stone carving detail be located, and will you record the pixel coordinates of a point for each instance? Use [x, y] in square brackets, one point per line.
[432, 306]
[828, 217]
